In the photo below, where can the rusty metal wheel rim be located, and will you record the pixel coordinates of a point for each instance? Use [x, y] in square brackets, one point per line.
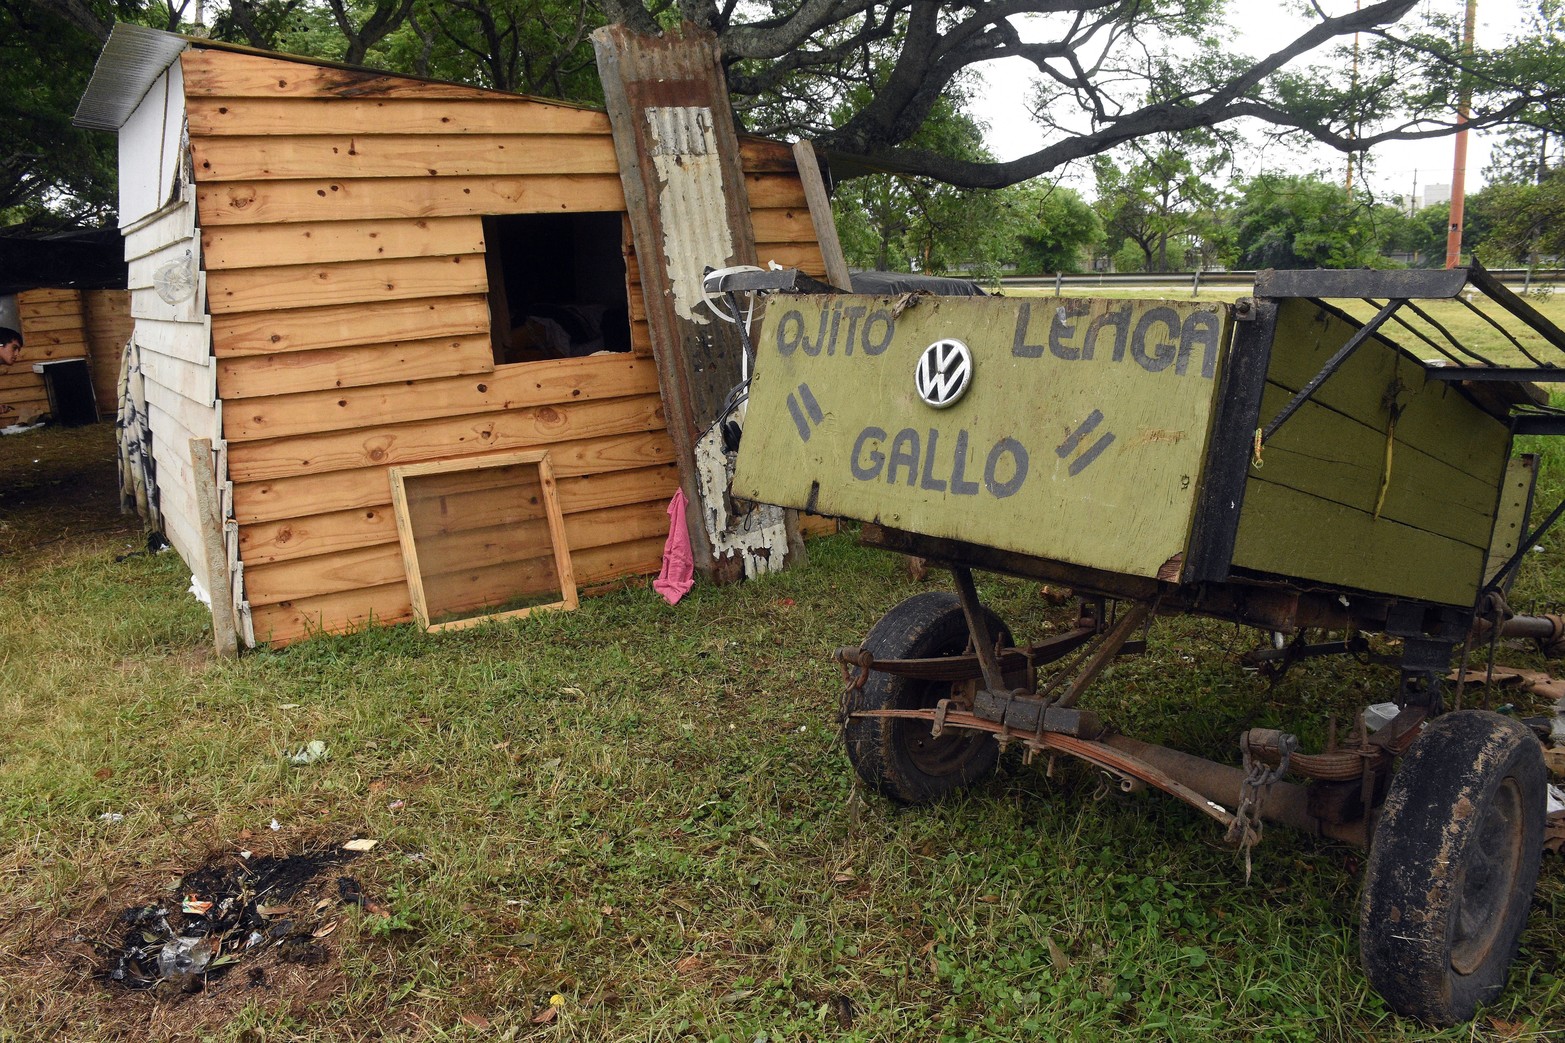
[934, 756]
[1488, 872]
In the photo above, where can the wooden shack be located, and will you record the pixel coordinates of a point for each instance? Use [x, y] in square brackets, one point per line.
[65, 293]
[336, 271]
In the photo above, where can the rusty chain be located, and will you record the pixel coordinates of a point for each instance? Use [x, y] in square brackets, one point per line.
[855, 664]
[1246, 827]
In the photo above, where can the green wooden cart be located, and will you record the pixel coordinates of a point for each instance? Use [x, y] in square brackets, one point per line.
[1277, 462]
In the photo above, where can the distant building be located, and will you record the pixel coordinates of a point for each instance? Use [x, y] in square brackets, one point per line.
[1436, 194]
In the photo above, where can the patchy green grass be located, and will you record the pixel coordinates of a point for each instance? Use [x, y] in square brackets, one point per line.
[644, 811]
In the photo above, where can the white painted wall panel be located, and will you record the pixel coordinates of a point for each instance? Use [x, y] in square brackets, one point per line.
[181, 340]
[174, 223]
[171, 154]
[194, 381]
[141, 159]
[194, 419]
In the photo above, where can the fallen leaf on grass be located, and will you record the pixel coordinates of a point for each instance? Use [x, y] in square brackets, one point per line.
[1507, 1029]
[267, 912]
[103, 774]
[477, 1021]
[324, 931]
[843, 878]
[1057, 955]
[546, 1015]
[763, 845]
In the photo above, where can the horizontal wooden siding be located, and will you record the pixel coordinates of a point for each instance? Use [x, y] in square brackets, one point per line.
[341, 229]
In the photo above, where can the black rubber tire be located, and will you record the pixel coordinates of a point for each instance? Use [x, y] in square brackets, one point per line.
[898, 758]
[1452, 867]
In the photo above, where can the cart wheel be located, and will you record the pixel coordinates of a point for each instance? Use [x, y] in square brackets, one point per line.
[899, 759]
[1452, 867]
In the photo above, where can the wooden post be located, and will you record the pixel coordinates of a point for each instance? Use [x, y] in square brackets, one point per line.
[219, 589]
[685, 192]
[820, 215]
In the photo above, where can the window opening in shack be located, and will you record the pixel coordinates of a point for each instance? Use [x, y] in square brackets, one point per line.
[556, 285]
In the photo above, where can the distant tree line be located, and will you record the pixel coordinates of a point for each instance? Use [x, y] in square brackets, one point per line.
[1166, 203]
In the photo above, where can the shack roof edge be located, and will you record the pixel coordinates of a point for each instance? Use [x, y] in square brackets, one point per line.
[131, 62]
[135, 56]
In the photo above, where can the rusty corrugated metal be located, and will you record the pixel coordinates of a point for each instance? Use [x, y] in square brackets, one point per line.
[130, 64]
[692, 202]
[689, 209]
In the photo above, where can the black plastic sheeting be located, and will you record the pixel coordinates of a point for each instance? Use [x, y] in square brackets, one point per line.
[90, 259]
[883, 284]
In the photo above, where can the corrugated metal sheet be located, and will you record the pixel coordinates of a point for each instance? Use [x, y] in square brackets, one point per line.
[130, 64]
[692, 204]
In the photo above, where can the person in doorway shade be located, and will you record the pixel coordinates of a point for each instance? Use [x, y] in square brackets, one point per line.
[10, 351]
[10, 346]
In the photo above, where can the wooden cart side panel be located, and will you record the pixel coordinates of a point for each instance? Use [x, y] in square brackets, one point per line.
[1347, 497]
[1080, 439]
[1512, 515]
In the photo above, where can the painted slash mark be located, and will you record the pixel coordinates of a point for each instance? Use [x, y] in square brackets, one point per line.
[1076, 437]
[810, 407]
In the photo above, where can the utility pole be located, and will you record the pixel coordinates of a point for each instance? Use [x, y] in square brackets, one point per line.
[1347, 186]
[1453, 239]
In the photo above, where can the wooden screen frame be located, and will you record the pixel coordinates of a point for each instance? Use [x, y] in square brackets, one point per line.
[551, 513]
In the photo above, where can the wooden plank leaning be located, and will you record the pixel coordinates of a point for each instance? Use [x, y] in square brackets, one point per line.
[219, 588]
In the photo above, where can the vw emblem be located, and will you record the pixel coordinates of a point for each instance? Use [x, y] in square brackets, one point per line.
[943, 372]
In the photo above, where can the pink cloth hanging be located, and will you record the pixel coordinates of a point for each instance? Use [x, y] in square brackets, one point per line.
[678, 574]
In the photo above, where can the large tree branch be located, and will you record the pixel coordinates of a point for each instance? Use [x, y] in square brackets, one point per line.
[875, 132]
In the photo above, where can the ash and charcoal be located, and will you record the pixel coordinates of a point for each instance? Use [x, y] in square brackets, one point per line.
[226, 913]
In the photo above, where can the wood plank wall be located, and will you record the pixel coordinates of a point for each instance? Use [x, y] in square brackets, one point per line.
[52, 328]
[67, 323]
[341, 233]
[109, 325]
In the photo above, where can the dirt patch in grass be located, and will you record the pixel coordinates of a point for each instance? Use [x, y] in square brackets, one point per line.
[170, 954]
[60, 485]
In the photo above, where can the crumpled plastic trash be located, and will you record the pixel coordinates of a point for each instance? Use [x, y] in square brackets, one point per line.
[184, 959]
[314, 750]
[1378, 715]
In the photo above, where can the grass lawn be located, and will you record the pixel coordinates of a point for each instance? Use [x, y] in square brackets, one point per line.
[636, 822]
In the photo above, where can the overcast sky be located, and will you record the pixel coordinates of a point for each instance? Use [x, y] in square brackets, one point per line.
[1391, 169]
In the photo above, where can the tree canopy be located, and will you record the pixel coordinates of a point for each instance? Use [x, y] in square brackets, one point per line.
[1112, 70]
[864, 78]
